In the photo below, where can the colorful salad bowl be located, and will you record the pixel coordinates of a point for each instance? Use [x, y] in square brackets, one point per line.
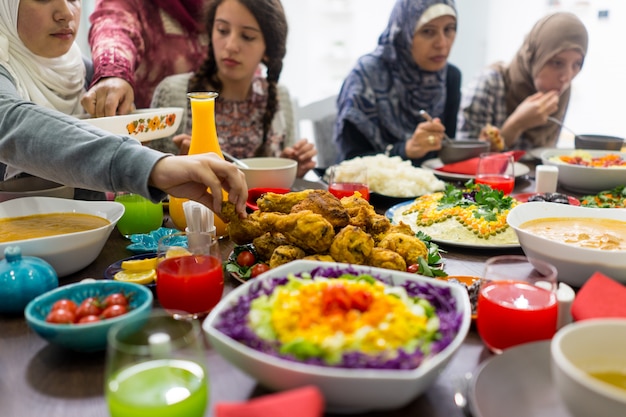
[320, 323]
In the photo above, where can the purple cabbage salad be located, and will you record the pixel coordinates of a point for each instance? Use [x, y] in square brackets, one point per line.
[234, 322]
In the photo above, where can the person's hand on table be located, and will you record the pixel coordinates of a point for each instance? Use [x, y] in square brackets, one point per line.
[189, 176]
[302, 151]
[109, 97]
[426, 137]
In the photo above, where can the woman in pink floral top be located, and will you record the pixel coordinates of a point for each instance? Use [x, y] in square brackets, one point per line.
[137, 43]
[253, 112]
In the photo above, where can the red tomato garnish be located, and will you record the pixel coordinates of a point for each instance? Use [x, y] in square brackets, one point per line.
[65, 304]
[259, 269]
[116, 299]
[413, 268]
[246, 258]
[89, 307]
[335, 299]
[61, 316]
[88, 319]
[114, 311]
[361, 300]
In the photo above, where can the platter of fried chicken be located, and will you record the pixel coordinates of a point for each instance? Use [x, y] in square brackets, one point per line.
[314, 224]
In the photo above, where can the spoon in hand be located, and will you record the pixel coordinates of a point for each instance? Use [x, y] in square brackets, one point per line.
[234, 160]
[427, 116]
[558, 122]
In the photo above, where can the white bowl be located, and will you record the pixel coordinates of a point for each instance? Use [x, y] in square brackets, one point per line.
[32, 187]
[345, 390]
[69, 252]
[590, 346]
[143, 124]
[270, 172]
[575, 265]
[586, 179]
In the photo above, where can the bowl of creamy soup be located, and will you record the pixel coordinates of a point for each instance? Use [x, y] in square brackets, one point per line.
[589, 367]
[577, 240]
[68, 234]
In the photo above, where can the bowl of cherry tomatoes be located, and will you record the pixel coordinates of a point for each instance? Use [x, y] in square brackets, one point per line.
[78, 316]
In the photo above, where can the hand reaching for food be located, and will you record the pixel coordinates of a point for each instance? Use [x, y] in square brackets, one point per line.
[491, 134]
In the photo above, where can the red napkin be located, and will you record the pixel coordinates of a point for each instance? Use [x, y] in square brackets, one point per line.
[469, 166]
[302, 402]
[599, 297]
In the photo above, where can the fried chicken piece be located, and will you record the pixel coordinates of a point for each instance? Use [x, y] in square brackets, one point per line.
[284, 254]
[280, 203]
[319, 257]
[378, 224]
[409, 247]
[386, 258]
[326, 204]
[305, 229]
[241, 231]
[352, 245]
[359, 210]
[267, 242]
[401, 227]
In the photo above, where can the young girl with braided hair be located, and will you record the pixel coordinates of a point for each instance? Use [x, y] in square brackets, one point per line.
[253, 113]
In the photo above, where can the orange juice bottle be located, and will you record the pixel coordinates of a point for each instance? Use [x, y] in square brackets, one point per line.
[203, 139]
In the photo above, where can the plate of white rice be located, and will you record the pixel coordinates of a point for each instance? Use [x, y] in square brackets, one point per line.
[394, 178]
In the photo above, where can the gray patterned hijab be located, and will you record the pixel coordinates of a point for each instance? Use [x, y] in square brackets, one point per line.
[386, 89]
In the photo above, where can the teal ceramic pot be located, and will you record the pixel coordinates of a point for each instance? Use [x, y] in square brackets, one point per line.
[23, 278]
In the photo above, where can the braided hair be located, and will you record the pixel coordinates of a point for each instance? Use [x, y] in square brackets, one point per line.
[273, 23]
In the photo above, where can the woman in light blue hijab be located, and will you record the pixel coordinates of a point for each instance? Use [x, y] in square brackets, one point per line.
[380, 101]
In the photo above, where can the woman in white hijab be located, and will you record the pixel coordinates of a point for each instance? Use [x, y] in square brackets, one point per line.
[54, 78]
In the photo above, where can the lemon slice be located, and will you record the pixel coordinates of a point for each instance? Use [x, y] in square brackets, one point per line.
[139, 264]
[137, 277]
[176, 251]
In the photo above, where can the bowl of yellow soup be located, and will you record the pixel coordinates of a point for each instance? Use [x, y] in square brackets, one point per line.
[368, 338]
[589, 367]
[68, 234]
[577, 240]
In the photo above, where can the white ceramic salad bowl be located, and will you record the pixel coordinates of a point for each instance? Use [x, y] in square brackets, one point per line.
[345, 390]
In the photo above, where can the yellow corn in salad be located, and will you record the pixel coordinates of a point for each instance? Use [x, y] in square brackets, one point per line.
[324, 318]
[479, 208]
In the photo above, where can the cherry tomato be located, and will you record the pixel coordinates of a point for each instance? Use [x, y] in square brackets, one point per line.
[65, 304]
[114, 311]
[61, 315]
[89, 307]
[88, 319]
[246, 258]
[116, 299]
[259, 269]
[413, 268]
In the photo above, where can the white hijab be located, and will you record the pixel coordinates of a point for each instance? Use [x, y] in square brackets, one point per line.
[56, 83]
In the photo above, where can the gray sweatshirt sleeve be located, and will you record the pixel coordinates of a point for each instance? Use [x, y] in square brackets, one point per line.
[61, 148]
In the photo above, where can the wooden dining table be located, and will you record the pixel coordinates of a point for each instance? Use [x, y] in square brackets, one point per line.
[41, 379]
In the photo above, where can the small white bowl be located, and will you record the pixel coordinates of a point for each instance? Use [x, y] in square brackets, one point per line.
[345, 390]
[143, 124]
[586, 179]
[69, 252]
[270, 172]
[590, 346]
[575, 264]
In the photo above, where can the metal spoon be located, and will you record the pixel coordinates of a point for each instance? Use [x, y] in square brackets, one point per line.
[461, 386]
[234, 160]
[427, 116]
[558, 122]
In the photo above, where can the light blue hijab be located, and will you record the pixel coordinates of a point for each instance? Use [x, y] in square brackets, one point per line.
[385, 91]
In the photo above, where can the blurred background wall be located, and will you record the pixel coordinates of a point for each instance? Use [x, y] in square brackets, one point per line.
[327, 36]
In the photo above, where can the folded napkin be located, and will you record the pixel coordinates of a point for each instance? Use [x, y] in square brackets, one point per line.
[599, 297]
[469, 166]
[302, 402]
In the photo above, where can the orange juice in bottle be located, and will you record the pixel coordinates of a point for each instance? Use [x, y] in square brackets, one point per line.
[203, 139]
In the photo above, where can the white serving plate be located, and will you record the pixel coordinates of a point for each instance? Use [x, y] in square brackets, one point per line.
[69, 252]
[144, 124]
[344, 390]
